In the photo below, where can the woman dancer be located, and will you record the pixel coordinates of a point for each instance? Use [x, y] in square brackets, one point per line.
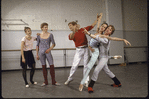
[95, 52]
[27, 57]
[43, 46]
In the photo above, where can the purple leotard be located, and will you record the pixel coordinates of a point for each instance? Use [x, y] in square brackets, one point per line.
[43, 45]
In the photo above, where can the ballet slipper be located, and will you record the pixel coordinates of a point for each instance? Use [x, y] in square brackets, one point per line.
[80, 87]
[90, 90]
[44, 84]
[27, 86]
[114, 85]
[57, 84]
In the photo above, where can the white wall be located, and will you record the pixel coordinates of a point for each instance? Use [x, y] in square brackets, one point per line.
[134, 15]
[54, 12]
[128, 15]
[114, 17]
[135, 29]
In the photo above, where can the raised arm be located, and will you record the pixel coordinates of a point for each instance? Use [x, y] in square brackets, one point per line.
[115, 39]
[99, 21]
[95, 22]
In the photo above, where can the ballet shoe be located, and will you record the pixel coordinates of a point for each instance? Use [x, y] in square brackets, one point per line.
[27, 86]
[116, 57]
[114, 85]
[86, 84]
[90, 90]
[56, 84]
[44, 84]
[67, 82]
[35, 83]
[80, 87]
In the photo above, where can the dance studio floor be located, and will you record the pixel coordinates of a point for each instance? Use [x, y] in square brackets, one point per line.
[133, 77]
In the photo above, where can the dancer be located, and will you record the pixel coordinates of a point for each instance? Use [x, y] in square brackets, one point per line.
[27, 57]
[93, 46]
[81, 45]
[43, 46]
[95, 51]
[104, 47]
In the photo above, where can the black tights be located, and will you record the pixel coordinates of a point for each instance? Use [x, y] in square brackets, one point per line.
[31, 73]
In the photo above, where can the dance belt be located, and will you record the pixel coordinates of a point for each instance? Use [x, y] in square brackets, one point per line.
[84, 46]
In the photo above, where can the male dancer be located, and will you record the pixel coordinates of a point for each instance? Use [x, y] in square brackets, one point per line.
[82, 50]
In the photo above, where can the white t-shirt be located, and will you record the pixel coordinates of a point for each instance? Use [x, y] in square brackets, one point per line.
[28, 43]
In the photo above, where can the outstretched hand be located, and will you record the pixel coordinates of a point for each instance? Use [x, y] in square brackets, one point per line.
[99, 15]
[127, 43]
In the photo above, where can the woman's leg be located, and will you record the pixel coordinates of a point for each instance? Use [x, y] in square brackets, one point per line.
[24, 73]
[86, 60]
[32, 73]
[91, 63]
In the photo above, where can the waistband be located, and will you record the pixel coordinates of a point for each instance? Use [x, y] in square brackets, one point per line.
[28, 51]
[84, 46]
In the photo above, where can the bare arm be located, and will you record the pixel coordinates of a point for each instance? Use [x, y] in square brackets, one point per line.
[95, 22]
[115, 39]
[22, 53]
[48, 50]
[91, 35]
[37, 50]
[98, 24]
[53, 44]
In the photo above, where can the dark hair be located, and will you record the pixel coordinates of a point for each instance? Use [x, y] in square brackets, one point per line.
[73, 23]
[113, 29]
[25, 28]
[43, 24]
[104, 22]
